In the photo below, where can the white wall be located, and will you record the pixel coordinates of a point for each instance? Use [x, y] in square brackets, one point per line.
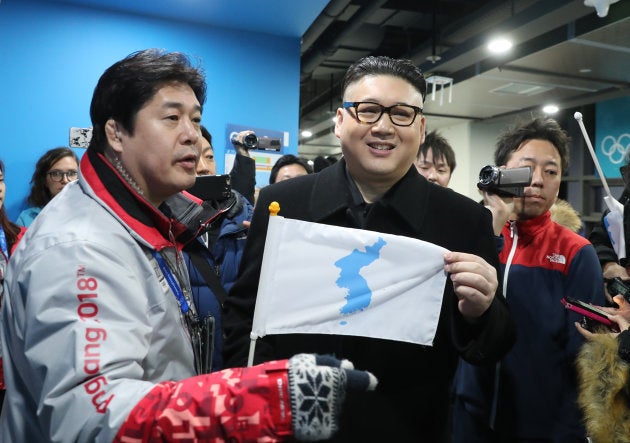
[473, 144]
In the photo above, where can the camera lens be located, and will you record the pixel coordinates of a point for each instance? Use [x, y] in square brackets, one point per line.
[488, 175]
[250, 141]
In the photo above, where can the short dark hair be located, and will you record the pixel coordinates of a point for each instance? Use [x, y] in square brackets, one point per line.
[288, 159]
[439, 147]
[127, 85]
[382, 65]
[40, 194]
[206, 134]
[536, 129]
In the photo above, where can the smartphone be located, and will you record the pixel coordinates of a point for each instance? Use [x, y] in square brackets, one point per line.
[589, 311]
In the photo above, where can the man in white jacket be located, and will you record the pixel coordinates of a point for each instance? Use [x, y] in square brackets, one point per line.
[100, 335]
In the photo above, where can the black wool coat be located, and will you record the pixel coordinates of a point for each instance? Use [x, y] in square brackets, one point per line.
[412, 399]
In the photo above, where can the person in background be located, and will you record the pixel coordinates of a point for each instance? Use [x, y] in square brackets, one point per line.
[613, 266]
[10, 235]
[604, 374]
[531, 395]
[214, 257]
[289, 166]
[53, 171]
[436, 159]
[320, 162]
[376, 187]
[109, 346]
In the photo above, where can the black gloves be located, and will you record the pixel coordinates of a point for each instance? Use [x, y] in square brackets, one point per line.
[317, 387]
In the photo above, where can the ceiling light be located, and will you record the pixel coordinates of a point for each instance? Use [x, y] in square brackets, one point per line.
[585, 70]
[307, 134]
[442, 82]
[550, 109]
[499, 45]
[601, 6]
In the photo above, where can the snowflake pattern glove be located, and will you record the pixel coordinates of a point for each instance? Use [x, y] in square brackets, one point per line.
[317, 387]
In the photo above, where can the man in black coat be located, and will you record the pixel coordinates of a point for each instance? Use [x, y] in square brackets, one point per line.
[376, 187]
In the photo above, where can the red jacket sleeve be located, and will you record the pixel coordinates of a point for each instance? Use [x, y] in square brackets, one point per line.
[240, 405]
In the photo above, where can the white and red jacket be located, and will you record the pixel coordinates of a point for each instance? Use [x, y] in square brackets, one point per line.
[96, 346]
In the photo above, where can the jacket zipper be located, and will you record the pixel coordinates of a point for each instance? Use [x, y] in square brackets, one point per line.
[497, 374]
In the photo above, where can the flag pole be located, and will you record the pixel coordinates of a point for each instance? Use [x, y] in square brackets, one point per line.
[274, 208]
[252, 349]
[602, 177]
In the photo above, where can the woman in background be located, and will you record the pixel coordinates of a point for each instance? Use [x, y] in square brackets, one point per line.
[54, 170]
[10, 234]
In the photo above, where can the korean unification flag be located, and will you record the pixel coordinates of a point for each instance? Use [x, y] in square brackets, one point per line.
[325, 279]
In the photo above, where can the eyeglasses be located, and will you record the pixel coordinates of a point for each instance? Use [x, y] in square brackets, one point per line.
[369, 112]
[56, 175]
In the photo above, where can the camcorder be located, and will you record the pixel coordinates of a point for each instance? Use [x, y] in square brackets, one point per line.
[504, 182]
[252, 141]
[212, 187]
[616, 286]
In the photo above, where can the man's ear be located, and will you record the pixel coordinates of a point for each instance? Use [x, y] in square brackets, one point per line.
[113, 134]
[338, 121]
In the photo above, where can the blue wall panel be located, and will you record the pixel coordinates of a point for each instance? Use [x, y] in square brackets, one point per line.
[51, 56]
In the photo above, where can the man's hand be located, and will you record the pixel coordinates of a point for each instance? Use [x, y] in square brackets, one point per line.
[474, 281]
[240, 148]
[502, 210]
[611, 270]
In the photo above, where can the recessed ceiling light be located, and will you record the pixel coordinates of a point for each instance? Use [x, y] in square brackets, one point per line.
[307, 134]
[550, 109]
[499, 45]
[585, 70]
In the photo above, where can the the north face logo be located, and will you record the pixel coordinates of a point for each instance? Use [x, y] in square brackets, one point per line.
[557, 258]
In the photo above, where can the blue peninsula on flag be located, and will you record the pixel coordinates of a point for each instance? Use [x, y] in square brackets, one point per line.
[322, 279]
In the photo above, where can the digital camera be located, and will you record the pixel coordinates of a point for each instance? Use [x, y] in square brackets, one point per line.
[504, 182]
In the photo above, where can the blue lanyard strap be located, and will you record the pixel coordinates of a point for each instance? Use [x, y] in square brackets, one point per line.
[3, 243]
[170, 278]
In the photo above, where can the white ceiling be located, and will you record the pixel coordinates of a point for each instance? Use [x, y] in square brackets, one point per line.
[563, 54]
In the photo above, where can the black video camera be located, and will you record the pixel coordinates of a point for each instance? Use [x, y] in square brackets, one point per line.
[616, 286]
[252, 141]
[504, 182]
[211, 187]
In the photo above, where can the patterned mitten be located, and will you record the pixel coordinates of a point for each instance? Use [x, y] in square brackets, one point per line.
[317, 387]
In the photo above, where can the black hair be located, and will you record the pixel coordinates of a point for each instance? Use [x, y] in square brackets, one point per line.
[382, 65]
[206, 134]
[288, 159]
[439, 147]
[537, 129]
[127, 85]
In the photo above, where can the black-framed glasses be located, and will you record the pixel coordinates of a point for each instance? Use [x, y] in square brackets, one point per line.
[370, 112]
[56, 175]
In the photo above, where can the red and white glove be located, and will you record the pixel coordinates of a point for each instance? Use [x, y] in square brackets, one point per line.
[271, 402]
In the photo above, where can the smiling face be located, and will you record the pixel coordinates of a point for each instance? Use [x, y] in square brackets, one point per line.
[162, 154]
[381, 153]
[544, 159]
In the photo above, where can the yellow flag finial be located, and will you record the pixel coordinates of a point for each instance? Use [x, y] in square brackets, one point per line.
[274, 208]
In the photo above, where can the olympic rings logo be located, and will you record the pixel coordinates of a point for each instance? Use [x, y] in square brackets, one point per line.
[616, 150]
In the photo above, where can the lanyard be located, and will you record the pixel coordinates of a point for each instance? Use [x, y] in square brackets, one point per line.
[170, 278]
[3, 243]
